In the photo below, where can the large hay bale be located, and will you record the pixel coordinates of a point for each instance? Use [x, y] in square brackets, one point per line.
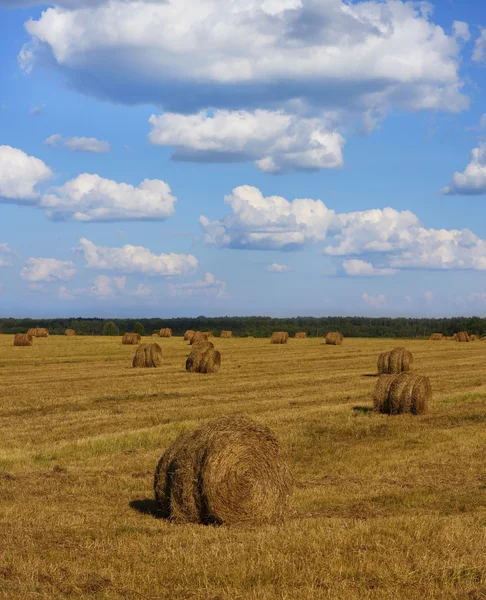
[394, 362]
[131, 339]
[209, 334]
[226, 334]
[279, 337]
[437, 337]
[301, 335]
[403, 393]
[473, 338]
[227, 471]
[462, 336]
[23, 339]
[38, 332]
[188, 335]
[70, 332]
[334, 338]
[166, 332]
[203, 359]
[199, 337]
[148, 356]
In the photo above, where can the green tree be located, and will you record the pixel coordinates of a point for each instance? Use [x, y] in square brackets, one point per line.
[139, 328]
[110, 329]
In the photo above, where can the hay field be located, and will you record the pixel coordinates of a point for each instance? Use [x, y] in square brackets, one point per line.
[384, 507]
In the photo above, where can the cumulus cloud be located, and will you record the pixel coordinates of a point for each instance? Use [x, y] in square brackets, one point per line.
[397, 240]
[334, 55]
[276, 268]
[92, 198]
[20, 174]
[275, 140]
[35, 111]
[472, 181]
[105, 287]
[361, 268]
[78, 144]
[209, 286]
[48, 270]
[135, 259]
[377, 301]
[5, 255]
[461, 31]
[429, 297]
[479, 52]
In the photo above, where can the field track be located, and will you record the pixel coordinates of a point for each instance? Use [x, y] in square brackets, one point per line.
[384, 507]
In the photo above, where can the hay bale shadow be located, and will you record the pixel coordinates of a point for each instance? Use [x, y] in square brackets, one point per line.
[363, 409]
[370, 375]
[147, 506]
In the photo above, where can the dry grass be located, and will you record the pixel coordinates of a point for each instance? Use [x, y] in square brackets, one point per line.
[383, 508]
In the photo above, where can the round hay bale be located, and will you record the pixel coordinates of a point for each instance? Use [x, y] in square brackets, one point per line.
[403, 393]
[226, 334]
[227, 471]
[203, 359]
[483, 339]
[166, 333]
[437, 337]
[279, 337]
[38, 332]
[23, 339]
[188, 335]
[199, 337]
[334, 338]
[155, 335]
[473, 338]
[394, 362]
[462, 336]
[301, 335]
[148, 356]
[131, 339]
[70, 332]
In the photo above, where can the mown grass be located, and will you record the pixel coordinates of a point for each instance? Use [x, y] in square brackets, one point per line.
[384, 507]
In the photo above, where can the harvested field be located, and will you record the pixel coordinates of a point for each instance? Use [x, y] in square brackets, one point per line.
[384, 507]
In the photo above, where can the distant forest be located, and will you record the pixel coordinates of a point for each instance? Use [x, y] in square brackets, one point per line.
[263, 326]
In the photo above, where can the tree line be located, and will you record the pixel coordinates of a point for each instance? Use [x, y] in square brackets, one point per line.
[259, 327]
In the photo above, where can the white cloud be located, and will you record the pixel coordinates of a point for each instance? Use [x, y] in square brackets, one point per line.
[64, 294]
[47, 269]
[361, 58]
[19, 175]
[276, 141]
[479, 53]
[120, 283]
[136, 259]
[276, 268]
[104, 288]
[361, 268]
[78, 144]
[141, 291]
[209, 286]
[429, 297]
[472, 181]
[397, 239]
[5, 253]
[35, 111]
[374, 301]
[92, 198]
[461, 31]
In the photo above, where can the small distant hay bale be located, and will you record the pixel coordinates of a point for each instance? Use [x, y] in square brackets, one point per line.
[462, 336]
[394, 362]
[199, 337]
[483, 339]
[203, 359]
[209, 334]
[301, 335]
[228, 471]
[148, 356]
[23, 339]
[131, 339]
[188, 335]
[70, 332]
[437, 337]
[155, 335]
[166, 333]
[473, 338]
[334, 338]
[279, 337]
[38, 332]
[403, 393]
[226, 334]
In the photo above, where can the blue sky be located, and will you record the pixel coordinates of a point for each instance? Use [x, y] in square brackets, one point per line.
[290, 157]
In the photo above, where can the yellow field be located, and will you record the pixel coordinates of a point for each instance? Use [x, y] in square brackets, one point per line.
[384, 507]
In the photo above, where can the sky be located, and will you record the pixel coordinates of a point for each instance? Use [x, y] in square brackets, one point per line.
[165, 158]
